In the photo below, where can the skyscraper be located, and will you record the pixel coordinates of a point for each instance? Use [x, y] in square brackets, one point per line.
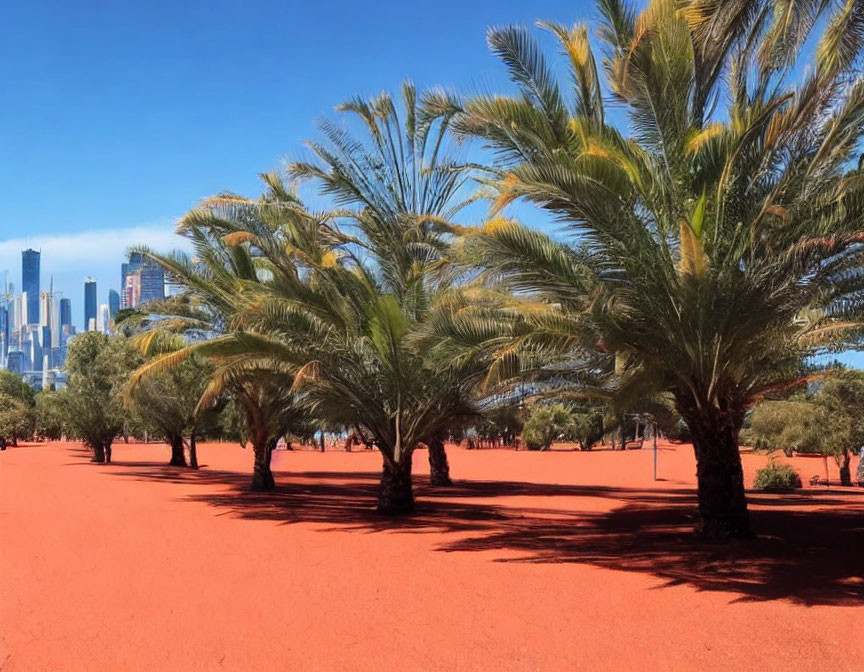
[144, 276]
[113, 303]
[152, 282]
[90, 305]
[103, 324]
[65, 312]
[30, 283]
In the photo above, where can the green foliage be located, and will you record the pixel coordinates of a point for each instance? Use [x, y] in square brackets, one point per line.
[717, 241]
[17, 408]
[50, 414]
[795, 425]
[17, 419]
[545, 424]
[776, 477]
[829, 421]
[586, 427]
[99, 367]
[12, 385]
[166, 403]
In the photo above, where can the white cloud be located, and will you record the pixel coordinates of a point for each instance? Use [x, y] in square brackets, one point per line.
[83, 250]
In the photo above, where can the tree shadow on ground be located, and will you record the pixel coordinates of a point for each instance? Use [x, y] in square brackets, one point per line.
[809, 550]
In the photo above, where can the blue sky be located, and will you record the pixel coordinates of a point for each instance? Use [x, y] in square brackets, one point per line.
[118, 117]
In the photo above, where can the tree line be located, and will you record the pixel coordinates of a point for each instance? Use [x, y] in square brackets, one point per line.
[708, 251]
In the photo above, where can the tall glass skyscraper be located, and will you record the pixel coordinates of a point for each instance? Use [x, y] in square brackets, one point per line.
[90, 305]
[113, 303]
[65, 312]
[152, 282]
[30, 283]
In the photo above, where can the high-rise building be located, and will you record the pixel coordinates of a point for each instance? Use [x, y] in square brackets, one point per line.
[23, 313]
[45, 309]
[147, 281]
[113, 303]
[132, 290]
[65, 312]
[103, 324]
[152, 282]
[30, 283]
[90, 305]
[4, 332]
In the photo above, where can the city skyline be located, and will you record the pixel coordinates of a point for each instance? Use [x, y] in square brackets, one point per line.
[36, 322]
[70, 258]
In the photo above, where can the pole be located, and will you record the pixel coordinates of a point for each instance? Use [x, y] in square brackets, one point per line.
[655, 451]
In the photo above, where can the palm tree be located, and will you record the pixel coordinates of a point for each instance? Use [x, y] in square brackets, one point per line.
[346, 306]
[404, 186]
[722, 239]
[220, 282]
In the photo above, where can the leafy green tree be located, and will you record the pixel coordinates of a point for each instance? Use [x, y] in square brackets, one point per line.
[842, 398]
[17, 403]
[829, 421]
[795, 425]
[99, 367]
[716, 242]
[50, 414]
[16, 420]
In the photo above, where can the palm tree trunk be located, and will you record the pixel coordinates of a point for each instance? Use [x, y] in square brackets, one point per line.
[439, 468]
[193, 451]
[262, 476]
[845, 475]
[395, 494]
[98, 453]
[720, 477]
[178, 456]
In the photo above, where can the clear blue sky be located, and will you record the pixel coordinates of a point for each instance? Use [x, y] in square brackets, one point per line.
[117, 117]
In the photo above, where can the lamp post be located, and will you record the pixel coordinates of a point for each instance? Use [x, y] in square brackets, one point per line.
[655, 451]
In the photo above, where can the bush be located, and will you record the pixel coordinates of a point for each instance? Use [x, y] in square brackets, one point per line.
[545, 425]
[679, 432]
[776, 477]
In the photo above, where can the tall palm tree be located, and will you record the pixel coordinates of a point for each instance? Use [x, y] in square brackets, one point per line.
[403, 185]
[346, 304]
[723, 237]
[221, 281]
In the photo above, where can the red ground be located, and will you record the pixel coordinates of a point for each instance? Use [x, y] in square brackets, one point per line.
[533, 561]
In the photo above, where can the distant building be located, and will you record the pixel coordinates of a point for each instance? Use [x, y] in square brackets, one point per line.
[65, 313]
[90, 305]
[113, 303]
[103, 319]
[152, 282]
[15, 362]
[132, 291]
[30, 283]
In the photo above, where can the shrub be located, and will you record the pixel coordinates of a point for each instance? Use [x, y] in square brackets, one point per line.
[679, 432]
[776, 477]
[544, 425]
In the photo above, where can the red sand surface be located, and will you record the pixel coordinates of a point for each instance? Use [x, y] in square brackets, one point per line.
[532, 561]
